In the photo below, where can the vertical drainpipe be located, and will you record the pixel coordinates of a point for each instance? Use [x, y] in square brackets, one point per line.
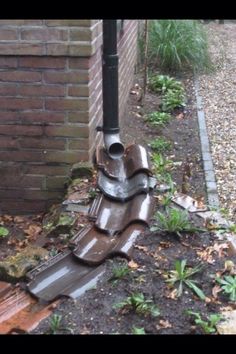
[110, 86]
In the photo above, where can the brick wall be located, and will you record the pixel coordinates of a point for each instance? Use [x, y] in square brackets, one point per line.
[51, 103]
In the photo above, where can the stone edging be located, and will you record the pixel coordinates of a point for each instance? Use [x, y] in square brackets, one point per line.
[208, 167]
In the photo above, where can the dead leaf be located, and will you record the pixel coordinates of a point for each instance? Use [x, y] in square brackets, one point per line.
[171, 295]
[165, 324]
[142, 248]
[219, 248]
[165, 244]
[19, 219]
[7, 218]
[215, 290]
[180, 116]
[33, 230]
[133, 265]
[206, 255]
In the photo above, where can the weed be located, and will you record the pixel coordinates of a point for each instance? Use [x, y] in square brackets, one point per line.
[228, 285]
[232, 228]
[160, 145]
[163, 83]
[158, 118]
[139, 304]
[173, 99]
[138, 330]
[208, 326]
[174, 221]
[55, 323]
[92, 193]
[3, 231]
[119, 273]
[178, 44]
[182, 274]
[161, 165]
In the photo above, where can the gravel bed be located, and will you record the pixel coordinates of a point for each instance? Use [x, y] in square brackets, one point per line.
[218, 91]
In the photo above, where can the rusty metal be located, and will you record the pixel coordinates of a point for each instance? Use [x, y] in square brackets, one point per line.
[93, 246]
[135, 160]
[112, 217]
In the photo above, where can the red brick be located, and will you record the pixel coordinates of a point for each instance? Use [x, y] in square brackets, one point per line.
[32, 194]
[8, 34]
[41, 90]
[73, 77]
[80, 34]
[48, 170]
[19, 181]
[67, 104]
[80, 63]
[78, 117]
[21, 156]
[8, 143]
[8, 62]
[10, 48]
[68, 131]
[20, 130]
[44, 34]
[16, 206]
[53, 183]
[42, 63]
[77, 90]
[85, 23]
[20, 76]
[9, 117]
[42, 143]
[41, 117]
[20, 103]
[8, 90]
[9, 193]
[66, 157]
[79, 144]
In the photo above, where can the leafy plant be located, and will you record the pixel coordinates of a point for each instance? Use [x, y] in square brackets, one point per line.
[55, 323]
[228, 285]
[178, 44]
[173, 99]
[160, 144]
[158, 118]
[139, 304]
[119, 273]
[182, 274]
[138, 330]
[162, 83]
[173, 221]
[208, 326]
[3, 231]
[160, 164]
[92, 193]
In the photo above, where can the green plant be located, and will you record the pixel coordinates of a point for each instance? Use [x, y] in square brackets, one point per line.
[178, 44]
[119, 273]
[55, 323]
[182, 274]
[173, 99]
[160, 144]
[139, 304]
[158, 118]
[228, 285]
[208, 326]
[163, 83]
[92, 193]
[160, 164]
[3, 231]
[232, 228]
[173, 221]
[138, 330]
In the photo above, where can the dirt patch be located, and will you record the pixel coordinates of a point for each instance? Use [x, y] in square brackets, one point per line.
[155, 254]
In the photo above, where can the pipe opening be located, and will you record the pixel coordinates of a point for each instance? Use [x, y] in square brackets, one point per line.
[116, 150]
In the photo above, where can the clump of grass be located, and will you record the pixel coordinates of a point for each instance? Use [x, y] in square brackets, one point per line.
[119, 273]
[160, 145]
[158, 118]
[179, 44]
[173, 221]
[182, 275]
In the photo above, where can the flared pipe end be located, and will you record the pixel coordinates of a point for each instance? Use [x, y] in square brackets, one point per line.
[113, 145]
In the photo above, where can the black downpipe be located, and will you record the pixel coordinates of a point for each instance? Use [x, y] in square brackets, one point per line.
[110, 86]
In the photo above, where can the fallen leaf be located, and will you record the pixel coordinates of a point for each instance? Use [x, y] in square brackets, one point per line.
[215, 290]
[19, 219]
[133, 265]
[180, 116]
[171, 295]
[142, 248]
[33, 230]
[165, 324]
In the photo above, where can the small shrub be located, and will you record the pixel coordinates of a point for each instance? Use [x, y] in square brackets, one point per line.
[158, 118]
[3, 232]
[139, 304]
